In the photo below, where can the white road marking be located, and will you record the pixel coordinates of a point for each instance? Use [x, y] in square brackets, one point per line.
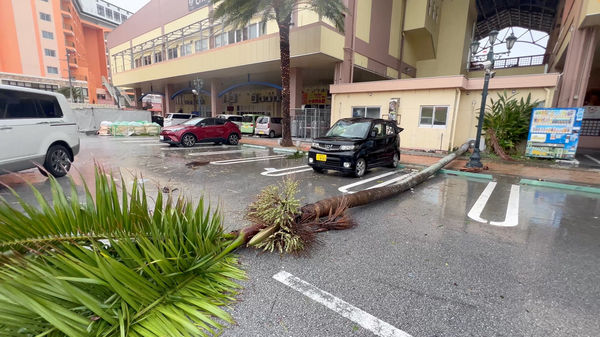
[512, 210]
[475, 212]
[271, 172]
[213, 153]
[389, 182]
[345, 188]
[345, 309]
[163, 145]
[592, 158]
[246, 160]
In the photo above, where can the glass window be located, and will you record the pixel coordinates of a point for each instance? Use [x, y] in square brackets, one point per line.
[47, 35]
[147, 60]
[379, 130]
[390, 130]
[220, 121]
[349, 129]
[201, 45]
[123, 17]
[50, 52]
[253, 31]
[262, 28]
[186, 49]
[109, 13]
[209, 121]
[158, 57]
[433, 116]
[172, 53]
[247, 119]
[52, 70]
[100, 10]
[221, 39]
[49, 107]
[369, 112]
[276, 120]
[45, 17]
[238, 35]
[28, 105]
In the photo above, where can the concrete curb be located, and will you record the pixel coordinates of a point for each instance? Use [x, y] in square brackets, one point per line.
[550, 184]
[281, 149]
[467, 174]
[255, 146]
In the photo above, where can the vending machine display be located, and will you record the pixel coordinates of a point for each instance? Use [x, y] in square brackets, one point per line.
[554, 133]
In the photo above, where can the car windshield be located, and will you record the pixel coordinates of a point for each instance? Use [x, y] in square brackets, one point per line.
[193, 121]
[349, 129]
[247, 119]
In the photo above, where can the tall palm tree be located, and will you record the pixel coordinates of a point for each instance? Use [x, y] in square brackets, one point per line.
[239, 13]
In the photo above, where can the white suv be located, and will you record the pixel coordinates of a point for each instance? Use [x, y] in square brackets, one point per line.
[36, 128]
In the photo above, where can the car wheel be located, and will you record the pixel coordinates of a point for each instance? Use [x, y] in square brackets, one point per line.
[233, 139]
[360, 167]
[395, 160]
[272, 134]
[58, 161]
[188, 140]
[318, 169]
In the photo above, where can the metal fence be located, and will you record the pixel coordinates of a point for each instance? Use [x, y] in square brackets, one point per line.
[511, 62]
[310, 123]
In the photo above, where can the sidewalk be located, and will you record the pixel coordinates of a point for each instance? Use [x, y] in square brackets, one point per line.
[572, 175]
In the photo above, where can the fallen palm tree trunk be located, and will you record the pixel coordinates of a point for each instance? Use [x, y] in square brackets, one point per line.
[302, 222]
[496, 146]
[327, 206]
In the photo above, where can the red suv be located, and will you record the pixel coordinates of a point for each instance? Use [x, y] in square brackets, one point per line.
[201, 129]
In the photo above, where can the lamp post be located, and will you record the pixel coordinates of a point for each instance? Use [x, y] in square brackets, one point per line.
[488, 64]
[198, 83]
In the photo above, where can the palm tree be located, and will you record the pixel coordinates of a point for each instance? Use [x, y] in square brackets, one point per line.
[109, 264]
[239, 13]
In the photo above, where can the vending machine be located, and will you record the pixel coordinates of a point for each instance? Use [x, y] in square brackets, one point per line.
[554, 133]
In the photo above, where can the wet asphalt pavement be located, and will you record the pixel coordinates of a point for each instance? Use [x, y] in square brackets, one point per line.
[446, 259]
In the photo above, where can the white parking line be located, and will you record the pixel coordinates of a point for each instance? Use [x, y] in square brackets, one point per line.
[155, 144]
[345, 309]
[512, 210]
[389, 182]
[246, 160]
[592, 158]
[345, 188]
[212, 153]
[475, 212]
[271, 172]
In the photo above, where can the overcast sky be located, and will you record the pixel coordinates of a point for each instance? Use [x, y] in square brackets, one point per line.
[130, 5]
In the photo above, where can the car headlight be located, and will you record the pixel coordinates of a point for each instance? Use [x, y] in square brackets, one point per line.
[175, 130]
[347, 147]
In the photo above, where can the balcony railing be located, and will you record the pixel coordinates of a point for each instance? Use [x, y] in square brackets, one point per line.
[513, 62]
[67, 27]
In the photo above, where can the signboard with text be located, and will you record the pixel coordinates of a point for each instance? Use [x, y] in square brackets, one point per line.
[195, 4]
[554, 133]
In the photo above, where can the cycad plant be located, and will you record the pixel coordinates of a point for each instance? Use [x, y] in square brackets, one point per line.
[506, 122]
[109, 264]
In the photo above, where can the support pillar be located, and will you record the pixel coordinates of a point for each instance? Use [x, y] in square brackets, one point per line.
[138, 102]
[168, 103]
[578, 66]
[216, 104]
[344, 71]
[296, 88]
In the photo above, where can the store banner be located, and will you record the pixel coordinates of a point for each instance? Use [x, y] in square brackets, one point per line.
[195, 4]
[554, 133]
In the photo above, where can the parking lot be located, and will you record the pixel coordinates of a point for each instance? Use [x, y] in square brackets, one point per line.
[456, 256]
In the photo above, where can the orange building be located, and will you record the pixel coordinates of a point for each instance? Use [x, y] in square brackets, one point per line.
[46, 42]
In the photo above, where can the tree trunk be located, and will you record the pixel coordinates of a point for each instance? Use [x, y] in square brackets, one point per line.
[284, 49]
[496, 146]
[325, 207]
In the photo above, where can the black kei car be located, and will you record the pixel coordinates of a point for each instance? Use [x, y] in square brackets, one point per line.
[353, 145]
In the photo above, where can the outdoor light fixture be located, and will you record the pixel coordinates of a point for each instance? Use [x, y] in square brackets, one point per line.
[488, 66]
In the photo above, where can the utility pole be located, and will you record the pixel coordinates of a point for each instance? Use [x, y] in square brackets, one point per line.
[69, 73]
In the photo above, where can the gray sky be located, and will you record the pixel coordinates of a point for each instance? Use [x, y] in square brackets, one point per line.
[130, 5]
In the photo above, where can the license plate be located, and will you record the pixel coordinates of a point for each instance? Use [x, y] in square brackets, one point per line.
[162, 137]
[261, 133]
[321, 157]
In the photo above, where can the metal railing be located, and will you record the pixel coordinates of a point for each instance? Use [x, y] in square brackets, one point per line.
[512, 62]
[310, 123]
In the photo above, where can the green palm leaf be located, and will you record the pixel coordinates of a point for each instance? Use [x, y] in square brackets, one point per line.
[112, 266]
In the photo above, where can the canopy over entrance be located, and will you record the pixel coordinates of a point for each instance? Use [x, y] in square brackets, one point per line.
[498, 14]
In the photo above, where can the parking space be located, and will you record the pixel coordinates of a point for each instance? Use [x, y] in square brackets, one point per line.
[456, 256]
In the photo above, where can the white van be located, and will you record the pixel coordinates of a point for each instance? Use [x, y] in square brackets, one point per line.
[177, 118]
[36, 128]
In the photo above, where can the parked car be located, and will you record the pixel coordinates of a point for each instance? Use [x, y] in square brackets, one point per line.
[353, 145]
[36, 128]
[249, 123]
[158, 119]
[268, 126]
[201, 129]
[235, 119]
[177, 118]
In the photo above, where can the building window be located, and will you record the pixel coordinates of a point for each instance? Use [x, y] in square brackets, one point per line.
[47, 35]
[138, 62]
[123, 17]
[186, 49]
[45, 17]
[253, 31]
[147, 60]
[158, 57]
[201, 45]
[50, 52]
[52, 70]
[100, 10]
[172, 53]
[45, 0]
[117, 17]
[222, 39]
[433, 116]
[109, 14]
[366, 111]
